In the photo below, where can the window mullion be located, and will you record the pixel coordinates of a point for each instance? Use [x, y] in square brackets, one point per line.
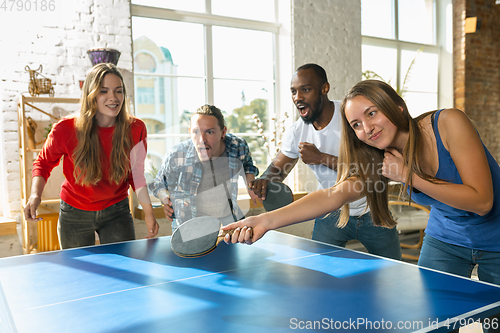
[209, 64]
[398, 49]
[396, 19]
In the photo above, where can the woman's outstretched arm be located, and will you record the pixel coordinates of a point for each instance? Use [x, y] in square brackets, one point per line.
[311, 206]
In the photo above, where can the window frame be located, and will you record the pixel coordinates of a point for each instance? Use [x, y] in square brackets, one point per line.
[439, 17]
[208, 21]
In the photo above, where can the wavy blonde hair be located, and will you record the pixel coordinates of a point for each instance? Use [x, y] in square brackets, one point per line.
[88, 154]
[357, 159]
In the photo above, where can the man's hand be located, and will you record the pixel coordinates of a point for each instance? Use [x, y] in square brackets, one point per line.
[253, 196]
[310, 154]
[259, 187]
[167, 208]
[275, 172]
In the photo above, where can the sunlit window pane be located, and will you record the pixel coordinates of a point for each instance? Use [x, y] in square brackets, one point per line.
[420, 70]
[157, 147]
[165, 41]
[165, 105]
[230, 95]
[262, 10]
[191, 5]
[242, 53]
[419, 102]
[166, 100]
[240, 100]
[416, 21]
[172, 64]
[421, 85]
[191, 94]
[261, 153]
[380, 63]
[377, 18]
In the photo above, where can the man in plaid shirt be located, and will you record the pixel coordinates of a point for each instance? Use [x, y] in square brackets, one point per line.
[199, 176]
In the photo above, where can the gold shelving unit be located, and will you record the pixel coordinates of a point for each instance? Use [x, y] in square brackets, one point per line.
[27, 155]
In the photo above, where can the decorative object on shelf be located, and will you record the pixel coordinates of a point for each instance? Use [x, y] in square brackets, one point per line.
[98, 56]
[28, 149]
[31, 127]
[279, 129]
[39, 84]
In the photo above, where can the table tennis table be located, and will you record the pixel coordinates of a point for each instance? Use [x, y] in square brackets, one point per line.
[282, 283]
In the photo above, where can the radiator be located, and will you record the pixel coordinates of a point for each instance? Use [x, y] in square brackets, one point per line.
[47, 238]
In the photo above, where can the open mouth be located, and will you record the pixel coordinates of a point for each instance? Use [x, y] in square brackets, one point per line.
[112, 106]
[303, 110]
[204, 152]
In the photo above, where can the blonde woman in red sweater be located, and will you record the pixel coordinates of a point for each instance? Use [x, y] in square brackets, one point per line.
[104, 149]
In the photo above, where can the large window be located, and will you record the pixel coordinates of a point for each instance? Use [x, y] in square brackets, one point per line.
[407, 43]
[220, 52]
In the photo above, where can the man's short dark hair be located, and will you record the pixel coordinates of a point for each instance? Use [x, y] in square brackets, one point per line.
[211, 110]
[320, 72]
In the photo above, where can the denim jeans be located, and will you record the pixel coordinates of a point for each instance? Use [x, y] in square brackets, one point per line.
[461, 261]
[377, 240]
[76, 228]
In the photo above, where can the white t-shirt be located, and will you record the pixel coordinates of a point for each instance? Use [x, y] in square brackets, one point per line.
[327, 140]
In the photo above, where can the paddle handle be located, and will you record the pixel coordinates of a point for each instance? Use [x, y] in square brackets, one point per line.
[230, 232]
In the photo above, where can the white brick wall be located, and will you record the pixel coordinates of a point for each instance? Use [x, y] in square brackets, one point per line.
[3, 180]
[327, 32]
[59, 41]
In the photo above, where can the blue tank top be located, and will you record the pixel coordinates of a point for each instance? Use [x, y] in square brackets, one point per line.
[460, 227]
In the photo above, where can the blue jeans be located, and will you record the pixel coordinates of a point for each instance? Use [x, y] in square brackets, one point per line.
[377, 240]
[77, 228]
[461, 261]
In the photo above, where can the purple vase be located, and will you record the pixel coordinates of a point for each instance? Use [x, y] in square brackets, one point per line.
[98, 56]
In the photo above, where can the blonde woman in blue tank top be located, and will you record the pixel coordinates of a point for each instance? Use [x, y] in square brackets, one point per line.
[440, 158]
[443, 163]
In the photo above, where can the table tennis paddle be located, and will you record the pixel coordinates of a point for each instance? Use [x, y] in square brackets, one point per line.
[198, 236]
[278, 195]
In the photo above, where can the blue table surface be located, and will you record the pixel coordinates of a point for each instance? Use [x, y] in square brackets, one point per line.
[282, 283]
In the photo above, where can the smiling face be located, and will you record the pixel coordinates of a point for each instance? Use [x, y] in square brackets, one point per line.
[207, 136]
[109, 100]
[307, 95]
[370, 125]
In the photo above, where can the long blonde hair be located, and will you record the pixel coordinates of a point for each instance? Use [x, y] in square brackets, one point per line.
[88, 153]
[357, 159]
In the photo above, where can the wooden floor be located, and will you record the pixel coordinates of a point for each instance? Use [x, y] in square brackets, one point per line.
[10, 246]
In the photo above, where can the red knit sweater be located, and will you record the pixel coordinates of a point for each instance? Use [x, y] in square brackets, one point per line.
[62, 141]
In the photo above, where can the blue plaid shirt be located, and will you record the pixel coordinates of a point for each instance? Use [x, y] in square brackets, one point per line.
[180, 175]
